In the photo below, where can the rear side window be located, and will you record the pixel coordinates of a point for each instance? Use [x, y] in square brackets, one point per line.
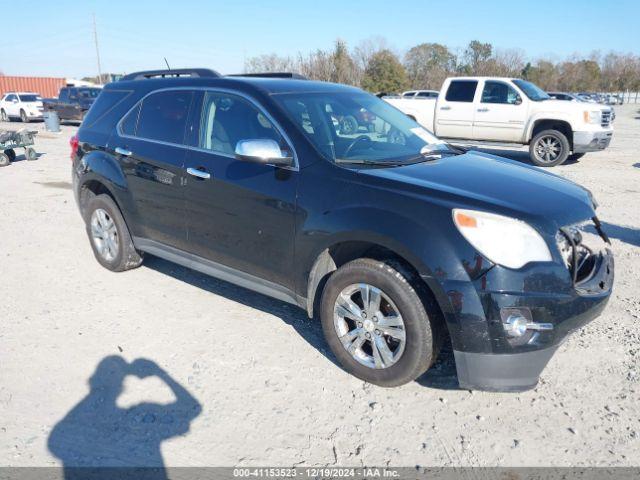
[462, 91]
[128, 125]
[104, 103]
[163, 116]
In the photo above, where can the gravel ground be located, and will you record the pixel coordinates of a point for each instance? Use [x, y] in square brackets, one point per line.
[260, 386]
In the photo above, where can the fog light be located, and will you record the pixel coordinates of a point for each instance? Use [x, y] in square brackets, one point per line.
[515, 326]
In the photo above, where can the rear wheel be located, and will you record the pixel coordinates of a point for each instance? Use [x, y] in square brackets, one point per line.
[30, 153]
[549, 148]
[4, 160]
[3, 116]
[376, 324]
[23, 117]
[109, 235]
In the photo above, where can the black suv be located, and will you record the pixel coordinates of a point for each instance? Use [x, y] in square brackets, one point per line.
[393, 238]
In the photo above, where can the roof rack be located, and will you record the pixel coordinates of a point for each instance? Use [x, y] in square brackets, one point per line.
[174, 73]
[295, 76]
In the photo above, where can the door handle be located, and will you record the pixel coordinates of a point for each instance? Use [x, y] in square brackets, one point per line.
[123, 151]
[198, 173]
[483, 109]
[445, 108]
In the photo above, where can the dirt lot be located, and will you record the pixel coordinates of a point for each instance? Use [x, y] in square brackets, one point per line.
[261, 386]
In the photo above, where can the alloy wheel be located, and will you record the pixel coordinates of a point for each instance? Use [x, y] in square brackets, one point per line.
[369, 326]
[104, 234]
[548, 149]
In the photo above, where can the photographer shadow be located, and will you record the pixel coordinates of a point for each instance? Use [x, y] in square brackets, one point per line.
[98, 439]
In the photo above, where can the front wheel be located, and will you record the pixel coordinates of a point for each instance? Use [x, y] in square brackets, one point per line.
[549, 148]
[109, 235]
[376, 324]
[23, 117]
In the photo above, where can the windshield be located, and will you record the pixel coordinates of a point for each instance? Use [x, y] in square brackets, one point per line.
[89, 92]
[532, 91]
[358, 127]
[30, 98]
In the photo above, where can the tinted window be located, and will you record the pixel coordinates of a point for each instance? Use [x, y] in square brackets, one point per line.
[73, 94]
[29, 98]
[427, 94]
[227, 119]
[461, 91]
[163, 116]
[498, 92]
[11, 98]
[408, 94]
[64, 95]
[128, 125]
[105, 102]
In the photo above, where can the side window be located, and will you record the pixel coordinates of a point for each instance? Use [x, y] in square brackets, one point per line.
[227, 119]
[498, 92]
[73, 94]
[11, 98]
[64, 95]
[163, 116]
[408, 94]
[128, 125]
[461, 91]
[426, 94]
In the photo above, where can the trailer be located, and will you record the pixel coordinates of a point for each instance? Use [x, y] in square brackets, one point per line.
[11, 140]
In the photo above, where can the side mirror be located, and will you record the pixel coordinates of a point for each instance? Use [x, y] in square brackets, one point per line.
[264, 151]
[518, 100]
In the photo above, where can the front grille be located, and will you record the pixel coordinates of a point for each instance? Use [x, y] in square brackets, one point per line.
[606, 118]
[580, 246]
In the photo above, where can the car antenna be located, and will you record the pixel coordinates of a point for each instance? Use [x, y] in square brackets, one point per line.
[165, 61]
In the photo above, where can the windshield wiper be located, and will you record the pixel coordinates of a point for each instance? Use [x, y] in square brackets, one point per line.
[362, 161]
[423, 157]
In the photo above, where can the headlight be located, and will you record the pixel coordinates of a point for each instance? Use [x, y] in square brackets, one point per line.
[594, 116]
[503, 240]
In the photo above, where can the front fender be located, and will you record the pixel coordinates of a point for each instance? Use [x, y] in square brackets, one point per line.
[558, 116]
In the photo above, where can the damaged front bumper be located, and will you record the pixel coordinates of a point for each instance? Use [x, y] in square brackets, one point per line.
[487, 357]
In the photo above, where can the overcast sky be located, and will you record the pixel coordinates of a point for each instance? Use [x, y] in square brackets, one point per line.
[55, 38]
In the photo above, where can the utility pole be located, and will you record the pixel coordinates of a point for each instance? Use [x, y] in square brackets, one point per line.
[95, 37]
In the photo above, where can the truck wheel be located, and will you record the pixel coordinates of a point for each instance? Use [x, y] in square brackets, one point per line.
[4, 160]
[30, 153]
[23, 117]
[376, 324]
[574, 157]
[549, 148]
[11, 153]
[109, 235]
[3, 116]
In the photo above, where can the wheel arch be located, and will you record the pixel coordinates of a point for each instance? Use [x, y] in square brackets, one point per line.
[561, 125]
[101, 174]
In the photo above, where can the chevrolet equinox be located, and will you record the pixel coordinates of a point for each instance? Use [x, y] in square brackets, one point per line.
[393, 238]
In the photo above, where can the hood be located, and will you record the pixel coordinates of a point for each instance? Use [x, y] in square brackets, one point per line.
[490, 183]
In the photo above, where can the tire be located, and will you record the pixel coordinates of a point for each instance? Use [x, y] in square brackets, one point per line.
[30, 154]
[549, 148]
[23, 117]
[11, 153]
[574, 157]
[349, 125]
[4, 160]
[421, 339]
[3, 116]
[125, 256]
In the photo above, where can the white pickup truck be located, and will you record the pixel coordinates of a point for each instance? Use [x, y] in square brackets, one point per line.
[504, 111]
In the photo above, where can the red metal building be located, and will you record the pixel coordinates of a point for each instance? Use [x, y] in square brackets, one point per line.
[45, 86]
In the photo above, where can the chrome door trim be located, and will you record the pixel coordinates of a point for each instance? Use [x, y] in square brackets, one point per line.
[296, 164]
[223, 272]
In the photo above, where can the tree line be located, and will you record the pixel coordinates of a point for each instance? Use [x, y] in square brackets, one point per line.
[375, 66]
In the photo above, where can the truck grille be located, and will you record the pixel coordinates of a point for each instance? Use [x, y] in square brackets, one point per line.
[606, 118]
[580, 246]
